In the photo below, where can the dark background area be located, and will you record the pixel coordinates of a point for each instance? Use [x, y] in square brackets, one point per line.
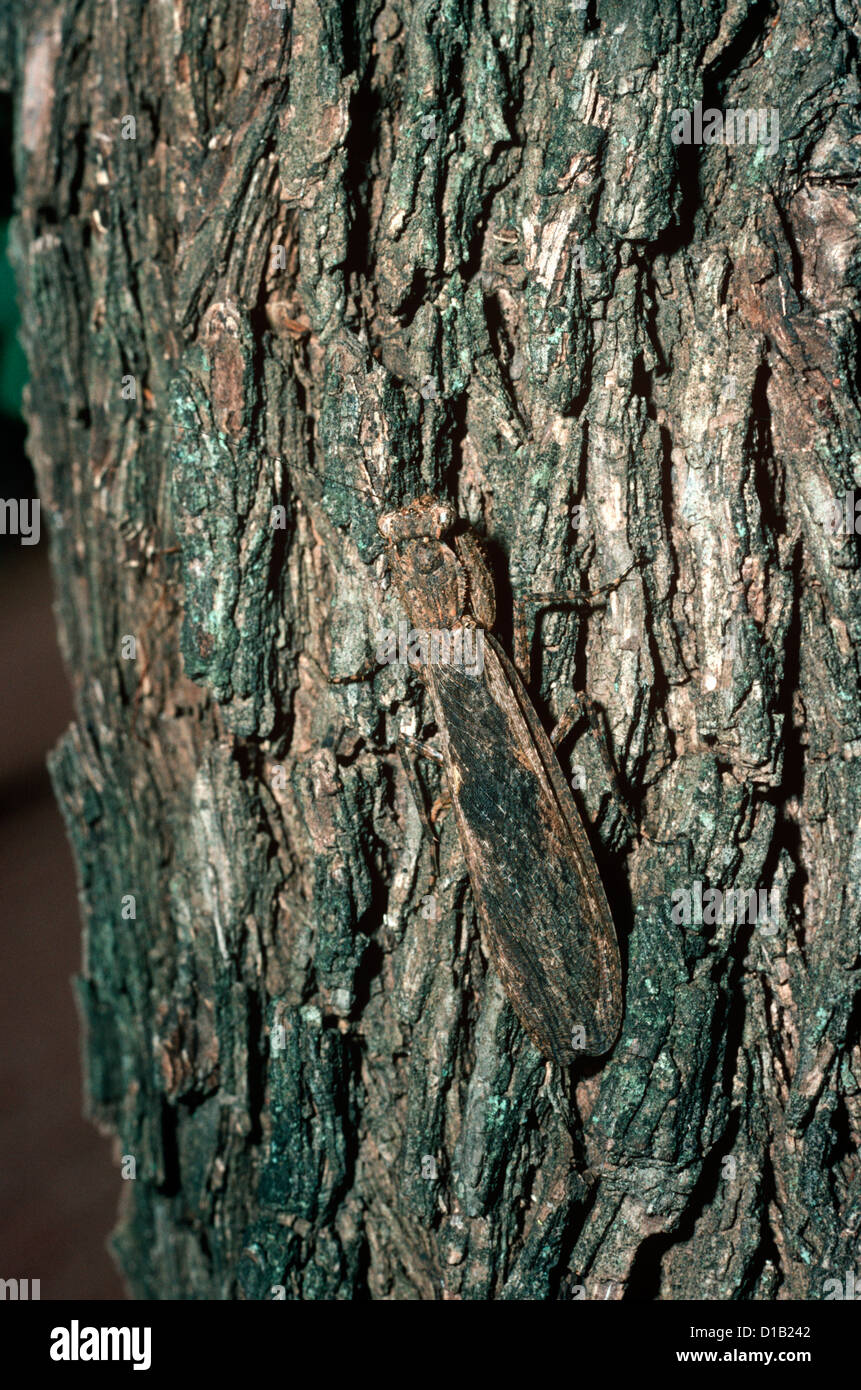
[58, 1184]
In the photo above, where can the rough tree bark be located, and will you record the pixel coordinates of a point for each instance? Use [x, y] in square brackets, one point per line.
[500, 280]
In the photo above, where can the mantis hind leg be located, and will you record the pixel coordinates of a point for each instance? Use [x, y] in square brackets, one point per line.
[407, 745]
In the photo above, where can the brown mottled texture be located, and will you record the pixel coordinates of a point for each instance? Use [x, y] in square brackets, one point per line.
[547, 924]
[452, 250]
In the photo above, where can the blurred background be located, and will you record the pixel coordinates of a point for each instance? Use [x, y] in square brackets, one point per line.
[58, 1185]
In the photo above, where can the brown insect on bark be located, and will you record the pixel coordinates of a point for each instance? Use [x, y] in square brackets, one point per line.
[545, 915]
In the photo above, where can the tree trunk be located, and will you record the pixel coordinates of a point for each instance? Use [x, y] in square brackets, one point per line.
[326, 260]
